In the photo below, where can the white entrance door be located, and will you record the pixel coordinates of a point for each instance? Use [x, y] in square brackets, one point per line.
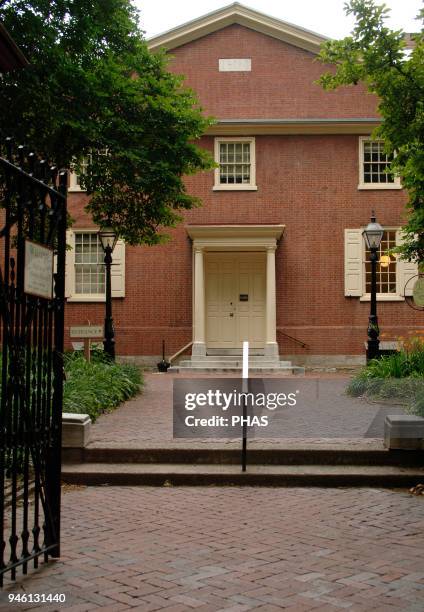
[235, 299]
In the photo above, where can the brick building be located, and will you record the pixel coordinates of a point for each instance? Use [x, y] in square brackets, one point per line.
[275, 255]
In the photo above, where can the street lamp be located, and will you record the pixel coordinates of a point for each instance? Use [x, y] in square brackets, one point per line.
[373, 235]
[108, 239]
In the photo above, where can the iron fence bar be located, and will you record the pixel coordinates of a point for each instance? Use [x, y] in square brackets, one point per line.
[8, 165]
[31, 556]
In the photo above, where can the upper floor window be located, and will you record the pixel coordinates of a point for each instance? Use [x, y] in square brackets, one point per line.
[236, 159]
[374, 166]
[75, 179]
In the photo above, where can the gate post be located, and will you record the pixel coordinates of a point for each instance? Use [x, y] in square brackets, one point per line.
[54, 459]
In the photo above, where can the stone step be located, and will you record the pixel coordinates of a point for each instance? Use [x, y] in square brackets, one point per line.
[272, 367]
[231, 363]
[256, 475]
[252, 358]
[221, 455]
[234, 352]
[221, 370]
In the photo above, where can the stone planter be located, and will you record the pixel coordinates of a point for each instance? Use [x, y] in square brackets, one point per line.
[404, 431]
[76, 430]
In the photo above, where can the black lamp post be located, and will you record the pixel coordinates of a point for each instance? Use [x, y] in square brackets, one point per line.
[108, 240]
[373, 234]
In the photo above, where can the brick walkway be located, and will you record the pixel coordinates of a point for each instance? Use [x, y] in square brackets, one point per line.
[147, 419]
[234, 549]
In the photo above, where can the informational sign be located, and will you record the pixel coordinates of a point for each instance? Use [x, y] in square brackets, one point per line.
[86, 331]
[418, 292]
[38, 273]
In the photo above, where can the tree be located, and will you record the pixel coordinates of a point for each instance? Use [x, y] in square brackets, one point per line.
[93, 86]
[377, 56]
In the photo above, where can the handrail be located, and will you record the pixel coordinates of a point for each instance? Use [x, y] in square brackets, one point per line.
[302, 344]
[175, 355]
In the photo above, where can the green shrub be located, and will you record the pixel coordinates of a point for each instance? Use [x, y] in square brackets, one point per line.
[97, 387]
[398, 377]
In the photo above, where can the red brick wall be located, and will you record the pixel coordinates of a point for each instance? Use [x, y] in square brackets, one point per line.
[309, 183]
[281, 84]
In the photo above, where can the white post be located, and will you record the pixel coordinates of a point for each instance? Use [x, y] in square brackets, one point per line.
[245, 389]
[271, 348]
[199, 347]
[245, 373]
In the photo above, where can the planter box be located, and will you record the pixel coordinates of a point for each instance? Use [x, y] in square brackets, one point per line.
[76, 430]
[404, 431]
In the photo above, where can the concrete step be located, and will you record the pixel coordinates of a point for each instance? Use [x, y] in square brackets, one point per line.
[234, 352]
[274, 367]
[215, 455]
[252, 358]
[256, 475]
[233, 363]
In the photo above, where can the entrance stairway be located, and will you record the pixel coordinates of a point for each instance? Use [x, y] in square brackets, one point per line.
[358, 463]
[231, 362]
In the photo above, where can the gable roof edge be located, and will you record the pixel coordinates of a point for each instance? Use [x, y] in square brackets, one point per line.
[242, 15]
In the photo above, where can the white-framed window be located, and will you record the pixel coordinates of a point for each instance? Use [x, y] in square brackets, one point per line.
[237, 167]
[387, 266]
[74, 178]
[392, 272]
[89, 264]
[85, 270]
[373, 166]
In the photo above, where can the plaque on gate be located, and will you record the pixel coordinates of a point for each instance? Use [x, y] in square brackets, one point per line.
[38, 271]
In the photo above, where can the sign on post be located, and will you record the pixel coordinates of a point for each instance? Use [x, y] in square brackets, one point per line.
[86, 333]
[38, 271]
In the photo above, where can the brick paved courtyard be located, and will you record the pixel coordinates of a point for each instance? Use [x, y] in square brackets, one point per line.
[235, 549]
[147, 419]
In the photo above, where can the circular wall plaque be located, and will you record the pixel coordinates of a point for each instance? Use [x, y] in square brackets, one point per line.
[418, 292]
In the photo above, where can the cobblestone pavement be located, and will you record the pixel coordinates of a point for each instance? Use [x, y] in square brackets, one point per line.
[235, 549]
[147, 419]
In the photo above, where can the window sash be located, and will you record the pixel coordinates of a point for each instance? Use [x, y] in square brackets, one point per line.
[375, 162]
[387, 275]
[88, 264]
[234, 163]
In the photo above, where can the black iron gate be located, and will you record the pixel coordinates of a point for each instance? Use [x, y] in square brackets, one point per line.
[32, 260]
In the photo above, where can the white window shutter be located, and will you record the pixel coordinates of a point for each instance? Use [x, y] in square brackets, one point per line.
[354, 272]
[70, 264]
[405, 271]
[118, 270]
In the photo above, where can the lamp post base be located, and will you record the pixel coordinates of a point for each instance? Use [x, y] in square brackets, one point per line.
[109, 339]
[373, 349]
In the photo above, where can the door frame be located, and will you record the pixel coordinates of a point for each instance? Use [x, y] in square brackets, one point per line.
[233, 238]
